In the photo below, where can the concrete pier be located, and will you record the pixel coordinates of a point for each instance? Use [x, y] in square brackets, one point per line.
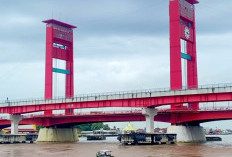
[188, 133]
[15, 123]
[57, 135]
[149, 114]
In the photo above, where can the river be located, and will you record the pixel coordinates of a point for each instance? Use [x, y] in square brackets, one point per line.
[85, 148]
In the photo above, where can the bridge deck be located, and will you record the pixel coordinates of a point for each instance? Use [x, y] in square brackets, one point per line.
[150, 93]
[211, 114]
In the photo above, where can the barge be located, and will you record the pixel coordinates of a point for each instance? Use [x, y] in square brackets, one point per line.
[96, 137]
[213, 138]
[146, 138]
[17, 138]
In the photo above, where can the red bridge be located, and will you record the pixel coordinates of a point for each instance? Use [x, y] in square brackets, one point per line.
[183, 96]
[143, 98]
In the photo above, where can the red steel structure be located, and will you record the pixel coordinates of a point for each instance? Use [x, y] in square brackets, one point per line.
[182, 28]
[125, 102]
[163, 116]
[59, 45]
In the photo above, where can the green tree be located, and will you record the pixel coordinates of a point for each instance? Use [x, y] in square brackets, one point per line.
[106, 127]
[84, 127]
[38, 127]
[93, 126]
[97, 126]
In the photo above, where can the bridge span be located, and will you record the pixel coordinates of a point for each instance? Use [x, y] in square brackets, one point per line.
[143, 98]
[164, 115]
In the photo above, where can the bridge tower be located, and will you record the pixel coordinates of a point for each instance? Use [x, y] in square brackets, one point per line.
[59, 45]
[183, 55]
[183, 64]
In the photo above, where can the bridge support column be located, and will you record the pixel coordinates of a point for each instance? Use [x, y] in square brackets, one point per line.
[15, 123]
[149, 114]
[188, 133]
[53, 134]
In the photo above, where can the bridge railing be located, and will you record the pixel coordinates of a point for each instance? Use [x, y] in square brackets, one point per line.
[134, 111]
[109, 95]
[216, 108]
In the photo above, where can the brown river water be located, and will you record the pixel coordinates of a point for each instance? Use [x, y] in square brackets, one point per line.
[85, 148]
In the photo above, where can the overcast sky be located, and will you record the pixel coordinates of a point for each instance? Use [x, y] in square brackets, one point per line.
[118, 45]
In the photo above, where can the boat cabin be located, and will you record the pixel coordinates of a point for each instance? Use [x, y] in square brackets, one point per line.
[104, 153]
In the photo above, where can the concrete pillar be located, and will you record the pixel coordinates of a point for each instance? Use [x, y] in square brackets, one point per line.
[57, 135]
[15, 118]
[149, 114]
[187, 133]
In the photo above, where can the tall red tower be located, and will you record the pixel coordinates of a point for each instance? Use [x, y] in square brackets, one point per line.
[59, 45]
[183, 59]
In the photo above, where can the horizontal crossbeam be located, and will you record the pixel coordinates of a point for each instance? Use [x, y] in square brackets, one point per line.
[62, 71]
[186, 56]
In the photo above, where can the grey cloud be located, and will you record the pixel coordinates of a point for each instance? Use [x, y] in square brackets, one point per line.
[103, 18]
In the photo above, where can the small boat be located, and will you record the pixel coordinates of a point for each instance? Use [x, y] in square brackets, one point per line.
[104, 153]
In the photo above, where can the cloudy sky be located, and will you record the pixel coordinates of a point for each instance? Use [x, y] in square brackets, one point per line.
[118, 45]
